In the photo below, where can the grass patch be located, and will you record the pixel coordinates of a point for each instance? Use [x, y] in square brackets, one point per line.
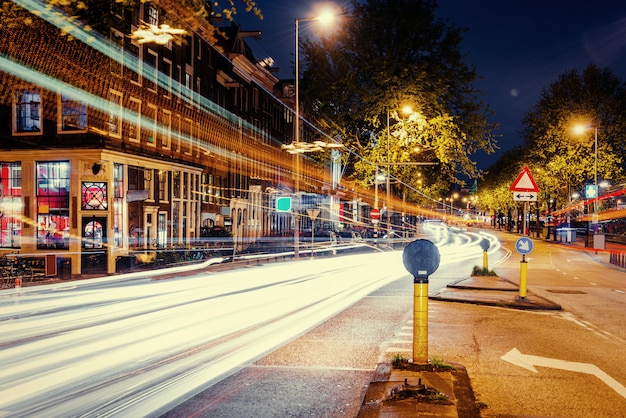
[481, 271]
[398, 361]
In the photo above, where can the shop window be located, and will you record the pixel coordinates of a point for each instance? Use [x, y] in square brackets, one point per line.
[27, 111]
[118, 205]
[53, 202]
[11, 204]
[94, 196]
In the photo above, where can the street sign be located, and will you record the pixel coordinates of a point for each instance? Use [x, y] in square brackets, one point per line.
[283, 204]
[524, 182]
[421, 258]
[375, 214]
[590, 191]
[525, 196]
[313, 213]
[524, 245]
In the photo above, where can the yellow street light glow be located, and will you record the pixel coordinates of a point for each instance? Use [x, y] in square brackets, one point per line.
[147, 33]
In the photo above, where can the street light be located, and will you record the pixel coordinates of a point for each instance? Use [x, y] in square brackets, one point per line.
[324, 17]
[579, 129]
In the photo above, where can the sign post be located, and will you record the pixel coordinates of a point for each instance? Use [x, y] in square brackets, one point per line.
[523, 246]
[313, 213]
[525, 189]
[421, 259]
[484, 244]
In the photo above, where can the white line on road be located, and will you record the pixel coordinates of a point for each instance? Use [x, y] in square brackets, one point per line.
[528, 362]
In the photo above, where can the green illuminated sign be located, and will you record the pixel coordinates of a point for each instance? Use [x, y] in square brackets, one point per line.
[283, 204]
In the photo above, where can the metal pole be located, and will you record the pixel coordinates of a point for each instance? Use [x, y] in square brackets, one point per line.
[595, 180]
[420, 320]
[388, 184]
[296, 220]
[376, 203]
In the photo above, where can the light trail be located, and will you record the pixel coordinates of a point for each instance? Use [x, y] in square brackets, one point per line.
[140, 344]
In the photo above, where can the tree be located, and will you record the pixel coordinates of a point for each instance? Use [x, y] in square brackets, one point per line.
[197, 14]
[386, 54]
[595, 98]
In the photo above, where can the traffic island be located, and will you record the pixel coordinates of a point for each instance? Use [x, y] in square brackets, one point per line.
[421, 390]
[492, 291]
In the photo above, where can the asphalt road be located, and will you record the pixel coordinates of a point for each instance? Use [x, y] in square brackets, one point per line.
[521, 363]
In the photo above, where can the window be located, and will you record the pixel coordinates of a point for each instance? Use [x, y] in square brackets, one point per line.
[11, 204]
[165, 130]
[118, 181]
[27, 111]
[73, 115]
[94, 195]
[53, 203]
[151, 124]
[117, 53]
[153, 15]
[187, 135]
[115, 114]
[118, 205]
[134, 119]
[150, 70]
[148, 183]
[176, 185]
[163, 190]
[166, 69]
[132, 67]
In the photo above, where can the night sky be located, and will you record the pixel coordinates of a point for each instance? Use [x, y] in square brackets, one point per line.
[518, 47]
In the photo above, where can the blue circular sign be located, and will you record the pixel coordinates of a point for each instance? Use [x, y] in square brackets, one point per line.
[524, 245]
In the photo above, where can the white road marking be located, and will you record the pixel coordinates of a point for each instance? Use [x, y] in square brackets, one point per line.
[528, 362]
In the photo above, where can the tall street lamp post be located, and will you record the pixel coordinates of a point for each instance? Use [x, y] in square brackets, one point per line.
[325, 17]
[597, 243]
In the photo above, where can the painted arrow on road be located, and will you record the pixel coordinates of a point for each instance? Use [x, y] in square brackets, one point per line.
[528, 362]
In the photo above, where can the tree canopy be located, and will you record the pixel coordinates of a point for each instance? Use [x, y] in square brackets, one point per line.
[388, 54]
[561, 157]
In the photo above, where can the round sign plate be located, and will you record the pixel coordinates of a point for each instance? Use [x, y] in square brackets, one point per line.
[421, 258]
[484, 244]
[524, 245]
[375, 214]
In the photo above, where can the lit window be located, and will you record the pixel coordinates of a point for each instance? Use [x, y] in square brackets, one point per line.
[11, 204]
[27, 111]
[94, 196]
[53, 204]
[153, 15]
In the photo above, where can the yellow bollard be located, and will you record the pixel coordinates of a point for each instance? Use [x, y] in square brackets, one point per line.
[420, 320]
[486, 260]
[523, 277]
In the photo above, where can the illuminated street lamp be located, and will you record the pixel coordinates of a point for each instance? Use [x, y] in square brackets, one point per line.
[297, 149]
[579, 129]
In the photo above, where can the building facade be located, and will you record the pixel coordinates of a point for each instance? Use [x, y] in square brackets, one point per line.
[112, 146]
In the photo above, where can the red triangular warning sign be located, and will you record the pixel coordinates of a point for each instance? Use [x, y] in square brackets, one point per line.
[524, 182]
